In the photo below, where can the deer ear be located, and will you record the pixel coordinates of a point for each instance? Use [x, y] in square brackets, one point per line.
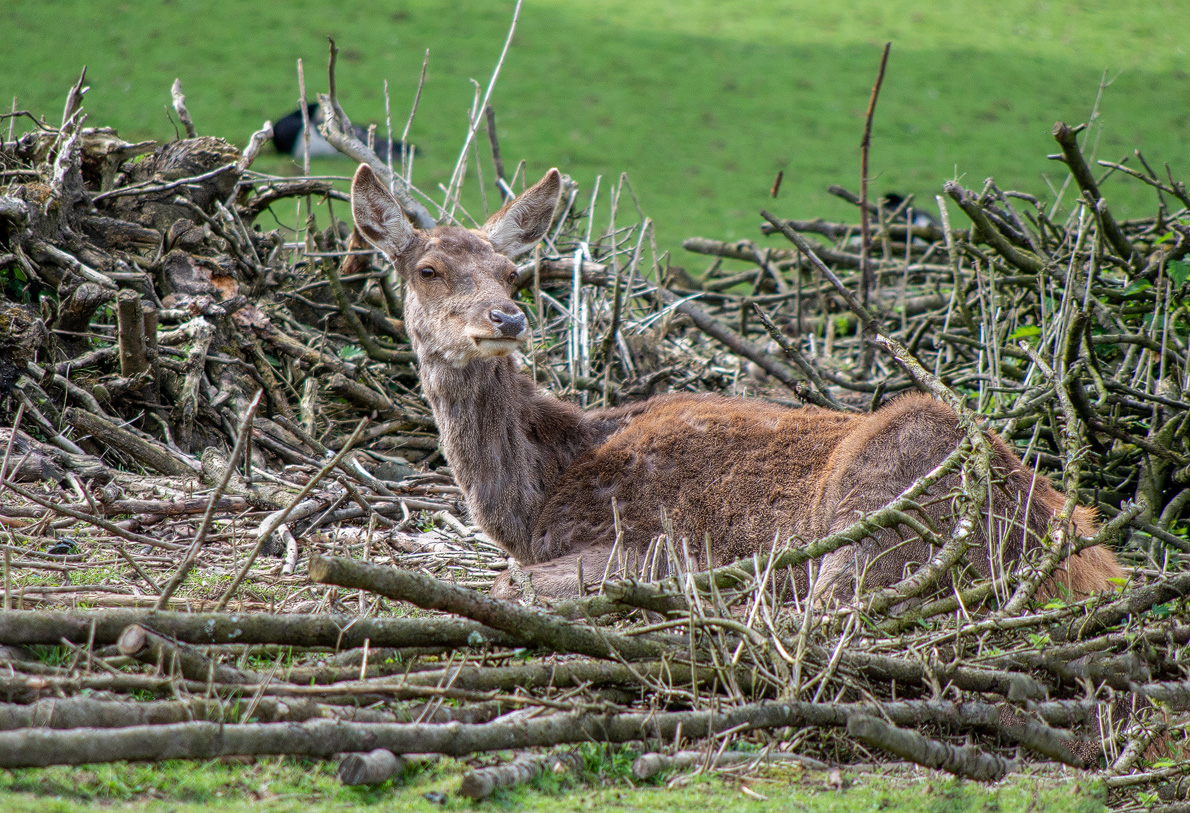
[523, 222]
[378, 216]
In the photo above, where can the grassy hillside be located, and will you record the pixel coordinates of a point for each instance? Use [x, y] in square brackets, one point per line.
[701, 102]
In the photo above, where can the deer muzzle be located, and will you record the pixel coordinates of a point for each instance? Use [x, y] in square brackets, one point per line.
[508, 330]
[510, 323]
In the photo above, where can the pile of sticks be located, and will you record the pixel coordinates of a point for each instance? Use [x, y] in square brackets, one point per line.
[978, 699]
[222, 492]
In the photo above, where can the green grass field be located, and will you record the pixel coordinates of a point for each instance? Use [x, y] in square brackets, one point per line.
[701, 102]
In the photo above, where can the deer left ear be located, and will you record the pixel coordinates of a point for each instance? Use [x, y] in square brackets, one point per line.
[522, 222]
[378, 216]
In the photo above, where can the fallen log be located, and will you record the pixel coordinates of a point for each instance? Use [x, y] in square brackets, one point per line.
[323, 738]
[531, 625]
[961, 761]
[326, 631]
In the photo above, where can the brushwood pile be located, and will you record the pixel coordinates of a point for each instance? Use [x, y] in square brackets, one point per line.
[220, 483]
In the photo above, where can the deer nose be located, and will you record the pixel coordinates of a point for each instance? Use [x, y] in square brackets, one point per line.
[510, 325]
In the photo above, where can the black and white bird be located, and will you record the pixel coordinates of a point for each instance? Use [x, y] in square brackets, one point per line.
[288, 137]
[914, 217]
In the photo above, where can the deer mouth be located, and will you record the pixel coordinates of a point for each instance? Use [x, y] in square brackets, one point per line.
[492, 346]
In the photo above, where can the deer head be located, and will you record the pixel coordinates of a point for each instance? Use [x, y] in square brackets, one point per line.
[460, 282]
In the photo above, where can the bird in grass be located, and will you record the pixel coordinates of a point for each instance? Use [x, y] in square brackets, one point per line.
[288, 137]
[914, 217]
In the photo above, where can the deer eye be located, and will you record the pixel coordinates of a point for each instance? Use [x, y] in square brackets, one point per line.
[427, 272]
[513, 278]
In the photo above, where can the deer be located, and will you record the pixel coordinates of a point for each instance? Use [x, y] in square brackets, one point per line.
[560, 488]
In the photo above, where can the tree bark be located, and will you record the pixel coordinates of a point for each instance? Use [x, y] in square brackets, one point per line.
[330, 631]
[532, 625]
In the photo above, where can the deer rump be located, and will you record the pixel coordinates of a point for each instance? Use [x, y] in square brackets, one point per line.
[722, 478]
[743, 474]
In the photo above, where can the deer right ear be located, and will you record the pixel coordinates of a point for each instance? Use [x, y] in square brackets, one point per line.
[522, 223]
[378, 216]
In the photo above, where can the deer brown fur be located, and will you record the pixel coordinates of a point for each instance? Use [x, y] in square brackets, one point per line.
[541, 476]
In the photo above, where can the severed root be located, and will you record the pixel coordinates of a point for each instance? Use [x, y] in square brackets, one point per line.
[481, 783]
[371, 768]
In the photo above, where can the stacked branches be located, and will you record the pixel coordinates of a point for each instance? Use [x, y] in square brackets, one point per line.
[263, 382]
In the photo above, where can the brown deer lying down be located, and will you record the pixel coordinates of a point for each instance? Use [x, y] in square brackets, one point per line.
[540, 475]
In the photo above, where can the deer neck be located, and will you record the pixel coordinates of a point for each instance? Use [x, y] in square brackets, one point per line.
[506, 442]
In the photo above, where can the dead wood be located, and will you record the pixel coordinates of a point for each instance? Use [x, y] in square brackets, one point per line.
[1063, 332]
[738, 345]
[530, 625]
[91, 712]
[329, 631]
[32, 460]
[134, 354]
[318, 738]
[170, 656]
[111, 527]
[965, 761]
[75, 312]
[1073, 158]
[566, 675]
[180, 108]
[200, 740]
[150, 453]
[371, 768]
[483, 782]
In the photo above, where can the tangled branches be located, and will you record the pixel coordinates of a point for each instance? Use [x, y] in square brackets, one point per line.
[1066, 336]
